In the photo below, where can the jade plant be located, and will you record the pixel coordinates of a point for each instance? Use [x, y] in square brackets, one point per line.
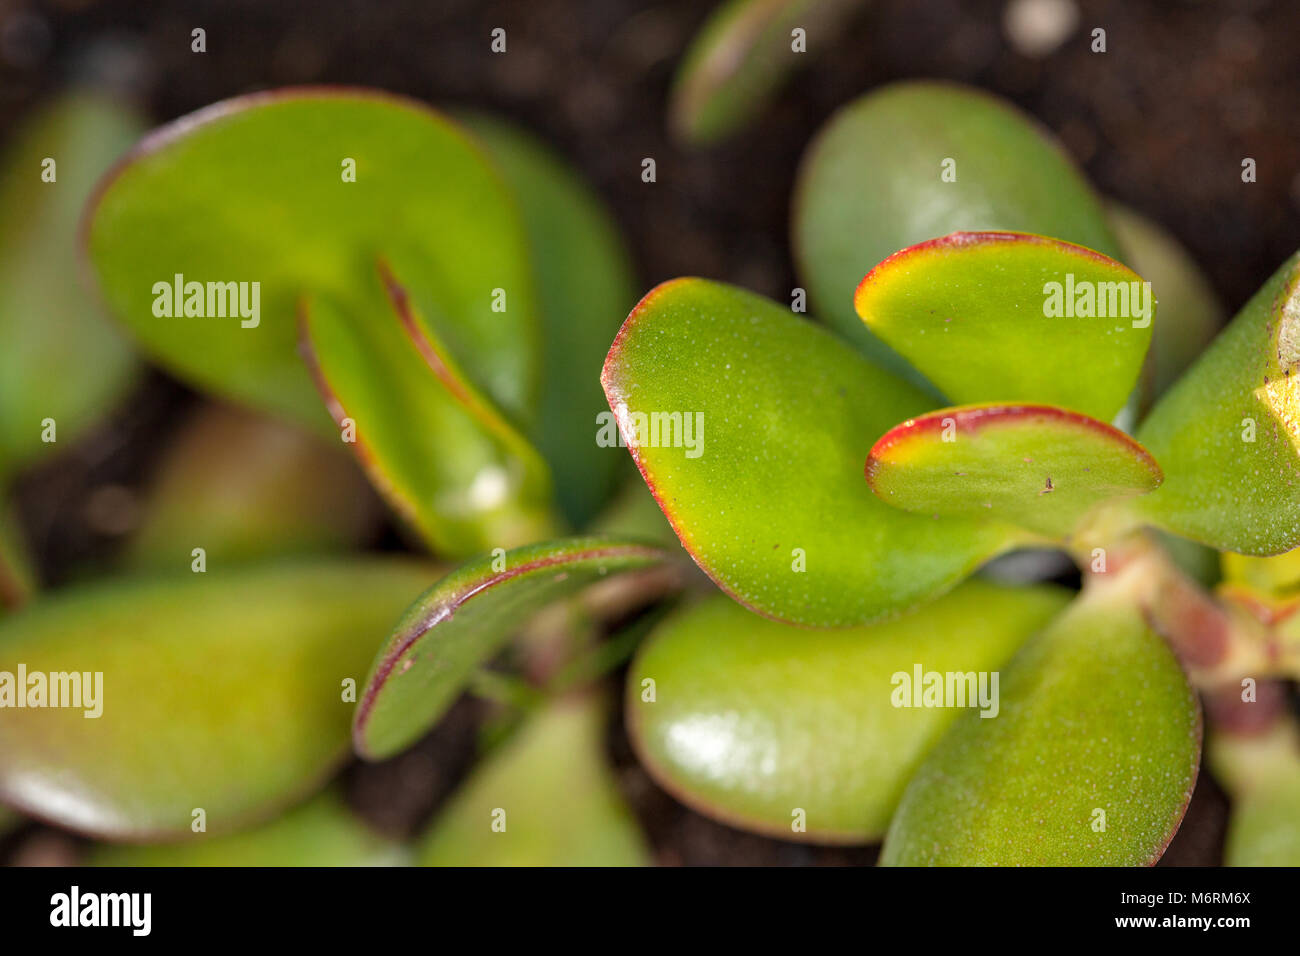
[877, 650]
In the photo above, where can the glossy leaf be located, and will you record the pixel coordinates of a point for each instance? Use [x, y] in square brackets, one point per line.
[1190, 312]
[766, 491]
[1038, 466]
[584, 282]
[545, 797]
[873, 183]
[750, 718]
[1009, 317]
[61, 359]
[241, 487]
[256, 189]
[1228, 433]
[434, 446]
[1097, 727]
[460, 622]
[322, 832]
[740, 57]
[223, 691]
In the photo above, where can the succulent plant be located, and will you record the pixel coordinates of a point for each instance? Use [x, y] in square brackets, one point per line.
[436, 296]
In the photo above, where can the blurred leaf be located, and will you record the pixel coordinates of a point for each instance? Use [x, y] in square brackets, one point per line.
[1038, 466]
[872, 183]
[1262, 774]
[17, 581]
[740, 57]
[61, 359]
[766, 493]
[322, 832]
[220, 691]
[1264, 829]
[1190, 312]
[242, 486]
[1228, 433]
[752, 718]
[584, 283]
[1198, 562]
[8, 821]
[1098, 727]
[436, 448]
[253, 190]
[972, 312]
[1277, 575]
[460, 622]
[544, 798]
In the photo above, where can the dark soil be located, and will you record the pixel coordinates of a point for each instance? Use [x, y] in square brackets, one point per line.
[1161, 121]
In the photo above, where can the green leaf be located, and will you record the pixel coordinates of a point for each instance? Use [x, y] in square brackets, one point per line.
[545, 798]
[1042, 467]
[1190, 312]
[584, 282]
[751, 718]
[434, 446]
[223, 691]
[1264, 829]
[17, 580]
[460, 622]
[766, 490]
[1276, 576]
[61, 359]
[740, 57]
[1261, 771]
[1096, 718]
[872, 183]
[1009, 317]
[322, 832]
[1228, 433]
[254, 190]
[242, 486]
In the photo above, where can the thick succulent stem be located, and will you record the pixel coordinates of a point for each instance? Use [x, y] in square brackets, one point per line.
[1218, 643]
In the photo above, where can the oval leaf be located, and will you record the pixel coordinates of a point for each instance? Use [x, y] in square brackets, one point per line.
[1041, 467]
[436, 448]
[222, 691]
[874, 182]
[61, 359]
[545, 798]
[740, 57]
[460, 622]
[750, 427]
[300, 190]
[752, 717]
[1009, 317]
[584, 282]
[1097, 728]
[243, 487]
[1228, 433]
[322, 832]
